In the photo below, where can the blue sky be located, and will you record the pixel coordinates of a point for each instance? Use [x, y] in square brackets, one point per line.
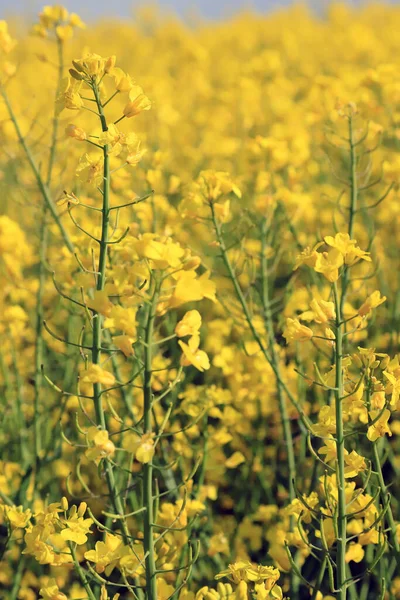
[90, 9]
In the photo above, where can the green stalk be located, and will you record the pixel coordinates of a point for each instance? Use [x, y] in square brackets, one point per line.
[340, 452]
[319, 580]
[287, 430]
[353, 177]
[20, 417]
[39, 338]
[385, 498]
[246, 312]
[101, 278]
[283, 411]
[81, 573]
[353, 203]
[115, 495]
[39, 343]
[17, 578]
[148, 499]
[43, 187]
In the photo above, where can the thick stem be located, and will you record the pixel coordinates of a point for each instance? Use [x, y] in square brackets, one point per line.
[101, 278]
[353, 203]
[340, 453]
[148, 499]
[115, 495]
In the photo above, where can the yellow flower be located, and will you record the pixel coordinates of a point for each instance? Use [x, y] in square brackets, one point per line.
[355, 552]
[355, 464]
[51, 15]
[218, 544]
[190, 288]
[69, 95]
[106, 554]
[76, 132]
[100, 445]
[124, 343]
[246, 571]
[95, 374]
[7, 44]
[381, 427]
[296, 332]
[162, 253]
[90, 169]
[67, 198]
[329, 263]
[241, 592]
[123, 319]
[235, 460]
[122, 81]
[394, 386]
[321, 311]
[189, 325]
[17, 516]
[222, 211]
[100, 303]
[347, 247]
[92, 65]
[64, 32]
[138, 102]
[194, 356]
[76, 21]
[76, 527]
[144, 448]
[51, 591]
[375, 299]
[307, 257]
[217, 184]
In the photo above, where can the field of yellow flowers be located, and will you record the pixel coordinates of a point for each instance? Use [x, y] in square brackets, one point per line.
[200, 307]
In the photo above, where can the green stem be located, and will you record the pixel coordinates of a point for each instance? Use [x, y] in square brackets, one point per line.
[115, 496]
[20, 417]
[248, 317]
[320, 579]
[148, 499]
[39, 337]
[101, 278]
[353, 204]
[81, 573]
[17, 578]
[340, 452]
[39, 342]
[287, 430]
[385, 498]
[43, 187]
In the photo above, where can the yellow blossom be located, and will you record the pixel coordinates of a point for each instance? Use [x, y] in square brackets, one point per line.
[95, 374]
[373, 301]
[138, 102]
[296, 332]
[380, 427]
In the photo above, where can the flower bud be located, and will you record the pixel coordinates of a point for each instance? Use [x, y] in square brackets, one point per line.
[64, 504]
[82, 509]
[75, 74]
[110, 63]
[76, 132]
